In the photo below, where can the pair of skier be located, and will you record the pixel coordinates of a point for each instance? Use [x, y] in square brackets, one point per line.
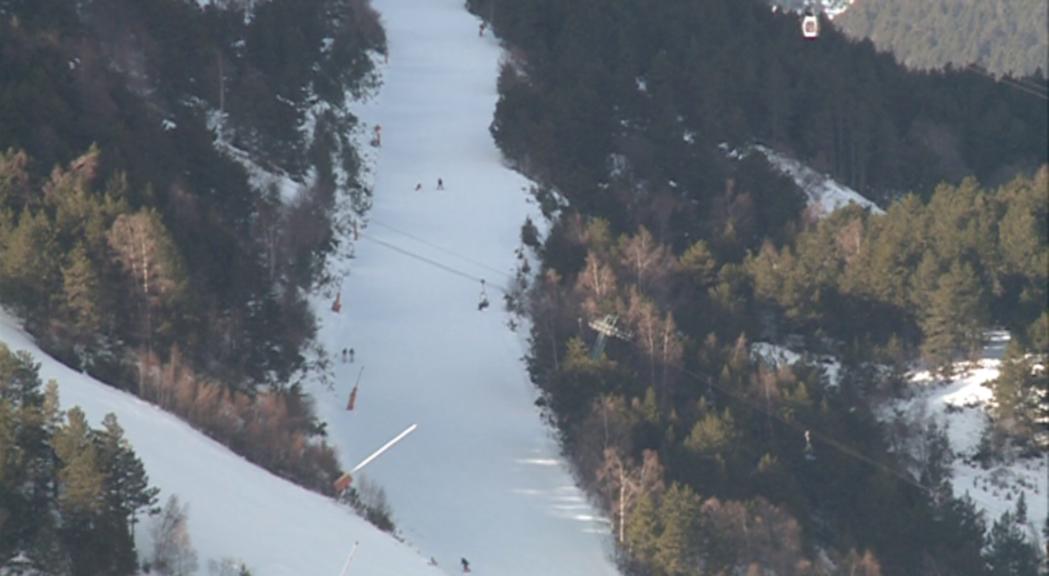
[347, 353]
[463, 561]
[440, 185]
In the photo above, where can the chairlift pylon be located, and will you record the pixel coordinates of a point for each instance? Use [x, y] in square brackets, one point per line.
[605, 328]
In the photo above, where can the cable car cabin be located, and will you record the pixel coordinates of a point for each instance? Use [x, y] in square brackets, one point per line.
[810, 26]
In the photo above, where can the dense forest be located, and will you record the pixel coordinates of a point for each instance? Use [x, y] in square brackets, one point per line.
[133, 248]
[701, 453]
[70, 495]
[1008, 37]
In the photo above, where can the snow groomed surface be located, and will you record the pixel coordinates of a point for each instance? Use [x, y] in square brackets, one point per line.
[236, 509]
[481, 478]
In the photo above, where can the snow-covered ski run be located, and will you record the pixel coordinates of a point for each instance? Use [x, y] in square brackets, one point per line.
[481, 478]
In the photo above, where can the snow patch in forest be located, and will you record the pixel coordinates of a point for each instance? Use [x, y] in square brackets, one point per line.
[776, 357]
[259, 177]
[824, 194]
[962, 406]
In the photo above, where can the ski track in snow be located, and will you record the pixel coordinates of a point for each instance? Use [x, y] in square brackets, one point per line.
[236, 509]
[482, 477]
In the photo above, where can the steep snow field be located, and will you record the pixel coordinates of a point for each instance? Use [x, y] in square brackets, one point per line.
[962, 406]
[481, 478]
[237, 509]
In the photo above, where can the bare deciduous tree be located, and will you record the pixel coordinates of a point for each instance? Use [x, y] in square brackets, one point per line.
[623, 482]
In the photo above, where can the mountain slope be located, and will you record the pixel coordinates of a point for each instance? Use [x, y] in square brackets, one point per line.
[237, 509]
[482, 477]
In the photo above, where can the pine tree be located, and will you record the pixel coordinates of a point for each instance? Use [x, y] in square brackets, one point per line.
[643, 528]
[1016, 399]
[1010, 554]
[29, 269]
[79, 475]
[127, 489]
[83, 294]
[956, 314]
[698, 265]
[677, 550]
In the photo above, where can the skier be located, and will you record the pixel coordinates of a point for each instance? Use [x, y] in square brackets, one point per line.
[440, 184]
[483, 302]
[481, 28]
[344, 355]
[419, 187]
[351, 355]
[466, 565]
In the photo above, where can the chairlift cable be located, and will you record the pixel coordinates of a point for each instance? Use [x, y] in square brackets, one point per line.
[824, 438]
[433, 262]
[440, 248]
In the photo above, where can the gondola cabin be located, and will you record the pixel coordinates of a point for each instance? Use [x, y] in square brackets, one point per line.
[810, 26]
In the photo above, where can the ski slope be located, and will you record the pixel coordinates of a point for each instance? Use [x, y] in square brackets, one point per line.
[236, 509]
[481, 478]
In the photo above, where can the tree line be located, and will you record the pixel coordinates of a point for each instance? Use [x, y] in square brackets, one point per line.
[70, 494]
[617, 112]
[135, 250]
[1007, 38]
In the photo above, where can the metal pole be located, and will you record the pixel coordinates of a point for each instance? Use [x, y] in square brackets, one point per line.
[349, 559]
[384, 448]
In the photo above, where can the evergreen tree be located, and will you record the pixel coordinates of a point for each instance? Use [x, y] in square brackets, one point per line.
[955, 317]
[80, 478]
[1010, 553]
[83, 292]
[1016, 393]
[677, 550]
[127, 489]
[643, 529]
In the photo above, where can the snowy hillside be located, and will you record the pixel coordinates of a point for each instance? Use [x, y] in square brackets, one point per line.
[962, 406]
[482, 477]
[236, 509]
[823, 193]
[832, 8]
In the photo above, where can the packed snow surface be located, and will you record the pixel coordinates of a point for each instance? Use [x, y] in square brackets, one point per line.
[482, 477]
[236, 509]
[962, 405]
[823, 193]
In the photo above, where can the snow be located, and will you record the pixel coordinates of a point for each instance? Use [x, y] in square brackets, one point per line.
[482, 477]
[259, 177]
[236, 509]
[776, 356]
[962, 405]
[823, 193]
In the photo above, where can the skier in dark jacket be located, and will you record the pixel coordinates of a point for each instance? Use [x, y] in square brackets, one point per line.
[466, 565]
